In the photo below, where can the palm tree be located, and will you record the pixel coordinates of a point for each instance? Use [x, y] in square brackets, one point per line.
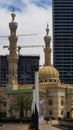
[2, 100]
[72, 105]
[21, 103]
[28, 105]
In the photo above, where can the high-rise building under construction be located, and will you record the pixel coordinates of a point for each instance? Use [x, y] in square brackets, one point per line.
[26, 69]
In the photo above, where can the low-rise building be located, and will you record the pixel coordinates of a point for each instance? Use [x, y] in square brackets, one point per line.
[57, 97]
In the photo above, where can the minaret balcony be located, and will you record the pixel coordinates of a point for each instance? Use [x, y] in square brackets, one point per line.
[47, 39]
[13, 25]
[13, 58]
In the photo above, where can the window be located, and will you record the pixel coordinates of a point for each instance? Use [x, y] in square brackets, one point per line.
[50, 113]
[62, 100]
[4, 104]
[45, 80]
[62, 112]
[50, 101]
[50, 80]
[40, 80]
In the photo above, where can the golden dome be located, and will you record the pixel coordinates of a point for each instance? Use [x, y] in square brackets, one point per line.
[48, 74]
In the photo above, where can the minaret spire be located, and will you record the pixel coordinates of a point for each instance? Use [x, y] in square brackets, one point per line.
[47, 49]
[13, 15]
[47, 30]
[13, 57]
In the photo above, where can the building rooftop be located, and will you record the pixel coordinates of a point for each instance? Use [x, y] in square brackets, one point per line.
[9, 91]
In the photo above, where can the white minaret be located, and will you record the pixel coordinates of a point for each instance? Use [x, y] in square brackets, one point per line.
[13, 56]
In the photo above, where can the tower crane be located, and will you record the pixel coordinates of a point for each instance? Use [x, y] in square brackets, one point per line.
[25, 46]
[28, 46]
[19, 35]
[19, 47]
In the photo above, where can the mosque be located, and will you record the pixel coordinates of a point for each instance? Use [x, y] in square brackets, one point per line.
[57, 96]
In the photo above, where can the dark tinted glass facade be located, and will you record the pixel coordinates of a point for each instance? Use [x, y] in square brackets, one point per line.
[63, 39]
[26, 69]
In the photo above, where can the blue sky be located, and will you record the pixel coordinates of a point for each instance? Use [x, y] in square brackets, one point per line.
[20, 4]
[32, 16]
[9, 4]
[42, 3]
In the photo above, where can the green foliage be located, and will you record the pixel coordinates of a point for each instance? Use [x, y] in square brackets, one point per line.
[21, 103]
[1, 124]
[67, 119]
[46, 118]
[13, 120]
[2, 114]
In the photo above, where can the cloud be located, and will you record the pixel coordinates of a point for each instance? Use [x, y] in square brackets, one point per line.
[31, 19]
[19, 5]
[10, 4]
[42, 3]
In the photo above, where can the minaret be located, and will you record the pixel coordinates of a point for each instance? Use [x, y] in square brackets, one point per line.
[13, 56]
[47, 49]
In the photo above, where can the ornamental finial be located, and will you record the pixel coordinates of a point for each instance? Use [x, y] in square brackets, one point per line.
[47, 30]
[13, 15]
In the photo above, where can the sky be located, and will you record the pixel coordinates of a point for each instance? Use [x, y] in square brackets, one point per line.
[32, 17]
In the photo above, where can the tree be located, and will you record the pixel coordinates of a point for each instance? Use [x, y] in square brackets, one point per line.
[28, 105]
[21, 103]
[2, 101]
[72, 105]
